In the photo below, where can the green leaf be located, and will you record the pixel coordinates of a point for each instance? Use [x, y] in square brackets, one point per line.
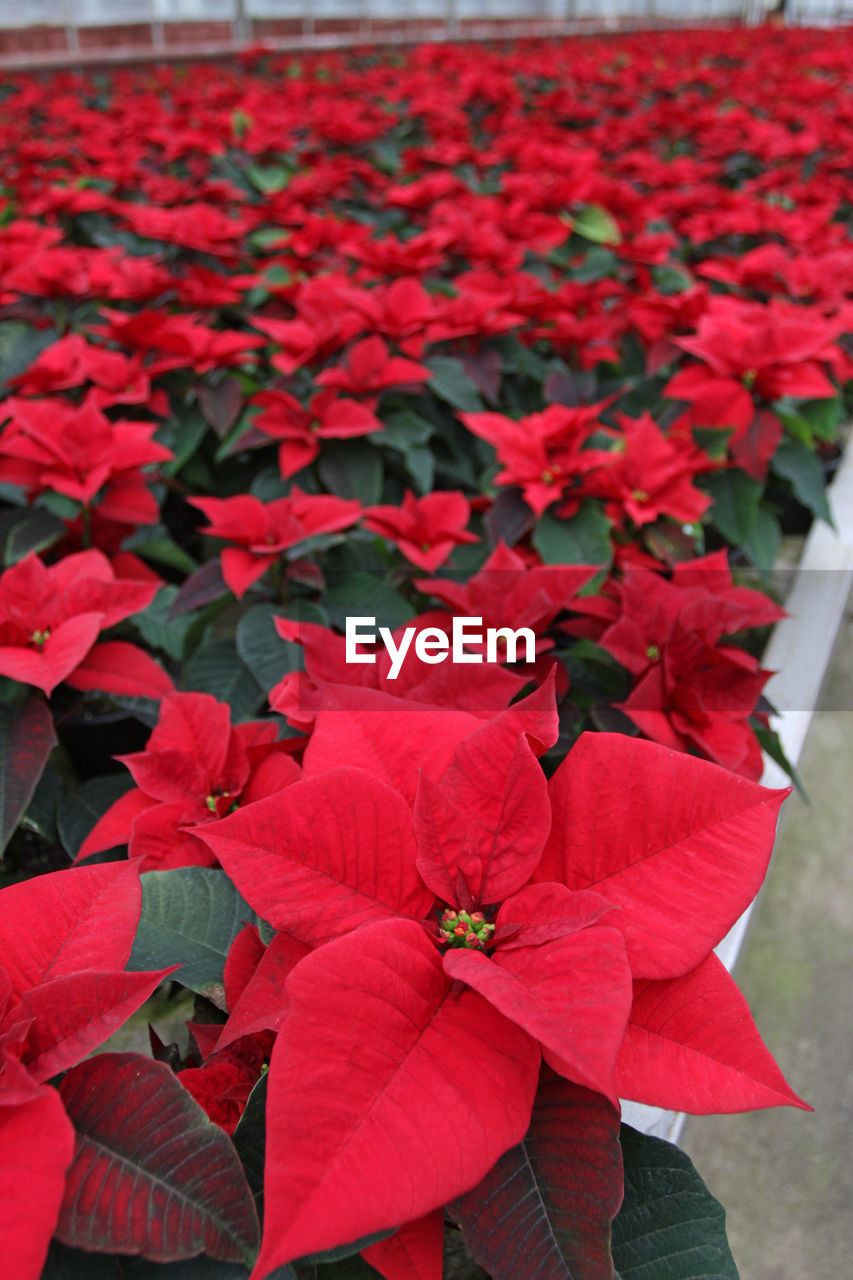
[250, 1140]
[154, 542]
[736, 497]
[78, 811]
[269, 179]
[585, 539]
[34, 530]
[594, 223]
[26, 741]
[268, 657]
[408, 434]
[670, 1227]
[183, 436]
[451, 383]
[190, 916]
[352, 469]
[762, 545]
[19, 345]
[364, 595]
[162, 631]
[797, 464]
[217, 668]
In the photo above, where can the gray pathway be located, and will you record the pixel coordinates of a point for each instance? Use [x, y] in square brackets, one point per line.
[785, 1176]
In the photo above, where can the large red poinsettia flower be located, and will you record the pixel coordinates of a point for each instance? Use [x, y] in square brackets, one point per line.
[460, 932]
[650, 474]
[301, 430]
[425, 529]
[50, 619]
[545, 453]
[752, 355]
[50, 446]
[196, 766]
[263, 530]
[65, 939]
[690, 691]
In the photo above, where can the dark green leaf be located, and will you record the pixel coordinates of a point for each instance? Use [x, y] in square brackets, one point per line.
[190, 916]
[34, 530]
[26, 741]
[797, 464]
[352, 469]
[250, 1140]
[584, 539]
[451, 383]
[268, 657]
[19, 345]
[670, 1227]
[160, 628]
[183, 436]
[736, 497]
[154, 542]
[762, 545]
[78, 811]
[365, 595]
[217, 668]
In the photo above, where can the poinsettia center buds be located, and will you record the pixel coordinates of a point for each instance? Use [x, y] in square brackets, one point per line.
[550, 474]
[469, 929]
[215, 804]
[38, 638]
[749, 378]
[314, 425]
[639, 495]
[652, 653]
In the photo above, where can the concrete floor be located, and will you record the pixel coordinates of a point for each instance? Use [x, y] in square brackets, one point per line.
[785, 1176]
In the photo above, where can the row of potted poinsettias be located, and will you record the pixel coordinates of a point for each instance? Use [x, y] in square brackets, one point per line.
[393, 453]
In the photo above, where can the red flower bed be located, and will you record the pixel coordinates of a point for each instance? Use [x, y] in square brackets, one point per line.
[393, 451]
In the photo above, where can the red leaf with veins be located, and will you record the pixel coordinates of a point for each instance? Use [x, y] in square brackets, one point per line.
[324, 856]
[573, 995]
[389, 1094]
[544, 1211]
[118, 667]
[262, 1003]
[60, 924]
[691, 1045]
[76, 1013]
[679, 844]
[415, 1252]
[36, 1147]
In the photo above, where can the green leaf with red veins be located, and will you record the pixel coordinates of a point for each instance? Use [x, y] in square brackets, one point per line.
[324, 856]
[389, 1092]
[691, 1045]
[151, 1174]
[573, 995]
[544, 1211]
[679, 844]
[26, 740]
[36, 1147]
